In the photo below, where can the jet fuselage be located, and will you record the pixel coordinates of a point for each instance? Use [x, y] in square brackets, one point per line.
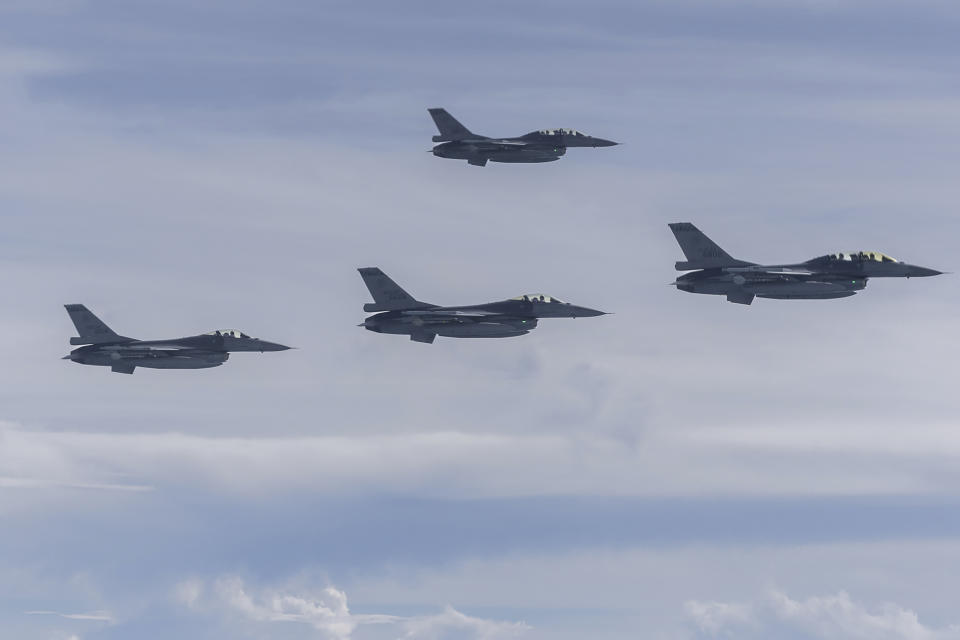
[400, 313]
[546, 145]
[502, 319]
[713, 271]
[192, 352]
[105, 348]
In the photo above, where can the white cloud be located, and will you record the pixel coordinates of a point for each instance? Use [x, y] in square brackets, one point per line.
[454, 624]
[189, 592]
[96, 616]
[831, 617]
[714, 617]
[327, 612]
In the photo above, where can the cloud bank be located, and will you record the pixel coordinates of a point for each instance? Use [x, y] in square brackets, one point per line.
[858, 460]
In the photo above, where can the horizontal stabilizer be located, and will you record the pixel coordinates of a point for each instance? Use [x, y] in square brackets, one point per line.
[92, 329]
[387, 294]
[701, 251]
[423, 337]
[477, 162]
[123, 368]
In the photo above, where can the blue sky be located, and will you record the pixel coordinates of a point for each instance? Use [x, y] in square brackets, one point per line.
[683, 469]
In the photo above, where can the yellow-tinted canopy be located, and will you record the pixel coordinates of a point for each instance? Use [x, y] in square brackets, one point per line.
[536, 297]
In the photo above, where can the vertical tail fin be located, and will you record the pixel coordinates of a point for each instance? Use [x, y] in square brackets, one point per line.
[92, 329]
[387, 294]
[449, 127]
[701, 251]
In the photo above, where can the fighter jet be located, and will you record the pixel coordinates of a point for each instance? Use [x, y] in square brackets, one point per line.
[400, 313]
[545, 145]
[835, 275]
[106, 348]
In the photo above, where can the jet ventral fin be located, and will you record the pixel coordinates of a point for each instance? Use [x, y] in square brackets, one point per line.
[92, 329]
[701, 251]
[123, 368]
[424, 337]
[739, 296]
[449, 127]
[387, 294]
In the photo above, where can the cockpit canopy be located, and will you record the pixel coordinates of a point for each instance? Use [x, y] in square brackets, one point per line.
[538, 297]
[860, 256]
[231, 333]
[560, 132]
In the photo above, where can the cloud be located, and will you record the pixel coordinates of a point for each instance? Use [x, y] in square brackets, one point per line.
[326, 611]
[454, 624]
[467, 464]
[714, 617]
[189, 592]
[97, 616]
[20, 63]
[831, 617]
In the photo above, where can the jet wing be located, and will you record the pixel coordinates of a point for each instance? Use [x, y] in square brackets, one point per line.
[499, 145]
[429, 317]
[123, 352]
[771, 271]
[451, 313]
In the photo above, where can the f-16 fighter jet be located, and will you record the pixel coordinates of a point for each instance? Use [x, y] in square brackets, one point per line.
[545, 145]
[835, 275]
[400, 313]
[107, 349]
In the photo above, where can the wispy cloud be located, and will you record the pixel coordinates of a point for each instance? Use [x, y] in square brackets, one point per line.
[830, 617]
[326, 610]
[10, 482]
[95, 616]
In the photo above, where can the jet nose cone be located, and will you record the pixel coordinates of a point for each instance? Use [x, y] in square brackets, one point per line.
[586, 312]
[273, 346]
[600, 142]
[921, 272]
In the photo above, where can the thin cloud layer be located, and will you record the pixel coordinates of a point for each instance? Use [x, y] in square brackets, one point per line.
[470, 465]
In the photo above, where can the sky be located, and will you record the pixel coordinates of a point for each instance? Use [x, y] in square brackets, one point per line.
[683, 469]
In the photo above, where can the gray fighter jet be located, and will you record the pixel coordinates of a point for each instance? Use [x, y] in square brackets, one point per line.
[545, 145]
[107, 349]
[402, 314]
[835, 275]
